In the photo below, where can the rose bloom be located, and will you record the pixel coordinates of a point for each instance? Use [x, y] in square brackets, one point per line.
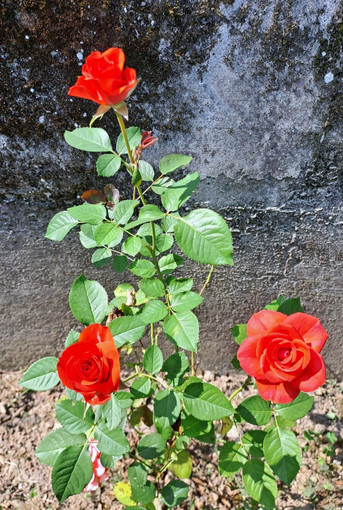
[282, 353]
[91, 365]
[104, 79]
[100, 473]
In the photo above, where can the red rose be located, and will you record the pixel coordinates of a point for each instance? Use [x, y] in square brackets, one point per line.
[282, 353]
[91, 365]
[104, 79]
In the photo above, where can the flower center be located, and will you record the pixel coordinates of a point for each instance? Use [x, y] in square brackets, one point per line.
[283, 354]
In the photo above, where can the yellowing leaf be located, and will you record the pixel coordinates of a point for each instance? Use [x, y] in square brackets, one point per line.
[123, 493]
[182, 467]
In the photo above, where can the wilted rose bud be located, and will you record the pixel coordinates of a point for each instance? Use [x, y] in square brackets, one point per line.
[147, 140]
[100, 473]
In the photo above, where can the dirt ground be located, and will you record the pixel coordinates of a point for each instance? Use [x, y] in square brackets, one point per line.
[26, 417]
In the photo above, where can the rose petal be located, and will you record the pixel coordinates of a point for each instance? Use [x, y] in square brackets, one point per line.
[314, 375]
[282, 393]
[247, 358]
[309, 328]
[263, 321]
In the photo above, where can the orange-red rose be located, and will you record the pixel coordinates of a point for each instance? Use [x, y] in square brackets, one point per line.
[104, 79]
[282, 353]
[91, 365]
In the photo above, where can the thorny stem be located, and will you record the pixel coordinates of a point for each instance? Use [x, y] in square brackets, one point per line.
[207, 280]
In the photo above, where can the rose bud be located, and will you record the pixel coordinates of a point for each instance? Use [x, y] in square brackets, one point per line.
[100, 473]
[147, 140]
[91, 365]
[282, 353]
[104, 79]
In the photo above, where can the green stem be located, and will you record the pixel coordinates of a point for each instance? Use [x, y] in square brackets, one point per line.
[152, 333]
[244, 385]
[132, 376]
[207, 280]
[126, 141]
[192, 363]
[166, 466]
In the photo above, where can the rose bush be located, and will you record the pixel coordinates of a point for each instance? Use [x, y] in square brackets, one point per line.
[282, 353]
[104, 79]
[91, 365]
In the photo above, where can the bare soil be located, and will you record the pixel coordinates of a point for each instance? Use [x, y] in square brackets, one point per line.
[26, 417]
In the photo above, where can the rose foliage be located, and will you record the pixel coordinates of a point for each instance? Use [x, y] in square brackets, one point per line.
[163, 398]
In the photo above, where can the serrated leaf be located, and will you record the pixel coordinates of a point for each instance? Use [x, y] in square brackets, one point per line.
[253, 442]
[137, 474]
[111, 411]
[132, 246]
[144, 494]
[172, 162]
[182, 328]
[179, 285]
[141, 387]
[123, 211]
[255, 410]
[152, 287]
[101, 257]
[126, 330]
[296, 409]
[232, 458]
[182, 466]
[169, 262]
[163, 243]
[151, 446]
[89, 139]
[120, 263]
[146, 170]
[55, 442]
[185, 301]
[179, 192]
[204, 237]
[72, 471]
[167, 407]
[204, 401]
[259, 482]
[283, 453]
[41, 375]
[162, 184]
[87, 236]
[174, 493]
[88, 301]
[153, 359]
[108, 165]
[70, 414]
[134, 137]
[199, 429]
[60, 225]
[111, 442]
[176, 366]
[289, 306]
[88, 213]
[143, 268]
[106, 233]
[169, 222]
[72, 337]
[153, 311]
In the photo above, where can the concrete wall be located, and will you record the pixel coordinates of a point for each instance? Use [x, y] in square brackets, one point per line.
[251, 89]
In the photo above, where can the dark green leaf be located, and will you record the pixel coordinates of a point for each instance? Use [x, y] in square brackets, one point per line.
[232, 458]
[137, 474]
[145, 493]
[60, 225]
[41, 375]
[88, 301]
[239, 333]
[111, 442]
[172, 162]
[141, 387]
[152, 287]
[174, 493]
[126, 330]
[255, 410]
[136, 178]
[153, 311]
[183, 330]
[167, 407]
[253, 442]
[72, 471]
[142, 268]
[101, 257]
[179, 192]
[176, 366]
[199, 429]
[111, 411]
[151, 446]
[70, 414]
[290, 306]
[274, 305]
[296, 409]
[283, 453]
[55, 442]
[153, 359]
[185, 301]
[259, 482]
[120, 263]
[204, 401]
[89, 139]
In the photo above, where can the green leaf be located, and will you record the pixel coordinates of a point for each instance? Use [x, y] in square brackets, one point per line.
[134, 137]
[132, 246]
[289, 306]
[239, 333]
[151, 446]
[60, 225]
[70, 414]
[283, 453]
[111, 411]
[137, 474]
[164, 242]
[162, 184]
[204, 237]
[72, 337]
[179, 192]
[232, 458]
[146, 170]
[89, 139]
[274, 305]
[108, 461]
[73, 395]
[121, 290]
[124, 399]
[111, 442]
[150, 213]
[108, 165]
[167, 407]
[255, 410]
[152, 287]
[142, 268]
[182, 466]
[87, 236]
[169, 222]
[41, 375]
[169, 262]
[172, 162]
[126, 330]
[120, 263]
[185, 301]
[88, 213]
[88, 301]
[253, 442]
[176, 366]
[179, 285]
[296, 409]
[153, 359]
[144, 494]
[174, 493]
[141, 387]
[123, 211]
[153, 311]
[106, 233]
[72, 471]
[182, 328]
[204, 401]
[259, 482]
[136, 178]
[54, 443]
[199, 429]
[101, 257]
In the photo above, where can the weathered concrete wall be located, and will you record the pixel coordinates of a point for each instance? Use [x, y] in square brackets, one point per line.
[251, 89]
